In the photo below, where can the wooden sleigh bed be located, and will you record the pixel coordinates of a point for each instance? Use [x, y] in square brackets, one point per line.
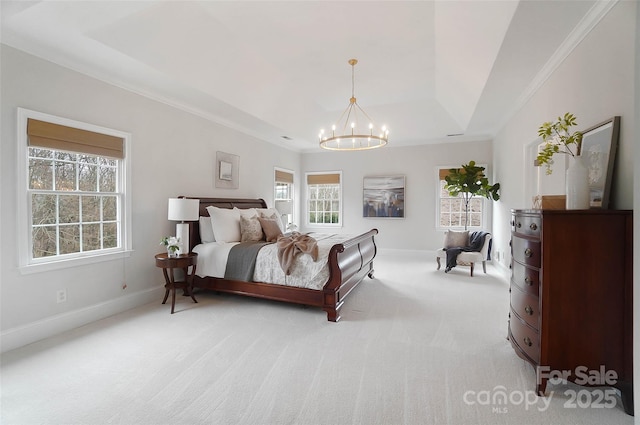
[349, 263]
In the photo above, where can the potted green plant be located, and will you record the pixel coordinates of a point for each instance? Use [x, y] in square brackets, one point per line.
[470, 181]
[558, 138]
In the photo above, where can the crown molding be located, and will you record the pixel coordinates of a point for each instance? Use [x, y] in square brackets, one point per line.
[584, 27]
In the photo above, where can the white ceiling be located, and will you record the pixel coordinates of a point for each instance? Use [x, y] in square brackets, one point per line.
[427, 69]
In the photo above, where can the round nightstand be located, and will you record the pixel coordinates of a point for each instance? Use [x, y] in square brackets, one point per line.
[183, 262]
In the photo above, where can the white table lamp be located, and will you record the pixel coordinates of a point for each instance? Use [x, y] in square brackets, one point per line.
[182, 209]
[284, 208]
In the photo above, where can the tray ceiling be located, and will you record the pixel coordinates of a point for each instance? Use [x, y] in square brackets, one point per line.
[272, 69]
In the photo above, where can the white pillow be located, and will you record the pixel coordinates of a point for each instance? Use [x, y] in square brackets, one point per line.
[226, 224]
[206, 230]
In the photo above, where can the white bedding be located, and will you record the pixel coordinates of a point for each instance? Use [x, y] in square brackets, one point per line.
[305, 273]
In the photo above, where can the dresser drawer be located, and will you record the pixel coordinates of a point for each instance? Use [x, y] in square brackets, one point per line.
[526, 338]
[526, 278]
[530, 225]
[526, 251]
[526, 306]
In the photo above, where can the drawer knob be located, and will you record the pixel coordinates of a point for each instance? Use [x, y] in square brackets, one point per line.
[519, 225]
[527, 341]
[528, 310]
[533, 226]
[528, 253]
[528, 281]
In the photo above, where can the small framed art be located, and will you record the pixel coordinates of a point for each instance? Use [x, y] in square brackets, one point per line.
[226, 170]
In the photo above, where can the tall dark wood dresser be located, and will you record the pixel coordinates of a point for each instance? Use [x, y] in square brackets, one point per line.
[572, 296]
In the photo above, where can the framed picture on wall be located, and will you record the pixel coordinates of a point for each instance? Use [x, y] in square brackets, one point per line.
[383, 196]
[598, 152]
[226, 170]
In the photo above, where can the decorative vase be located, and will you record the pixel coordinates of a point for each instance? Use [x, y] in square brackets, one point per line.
[577, 184]
[172, 253]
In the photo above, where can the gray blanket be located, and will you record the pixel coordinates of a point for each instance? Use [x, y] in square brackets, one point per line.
[242, 261]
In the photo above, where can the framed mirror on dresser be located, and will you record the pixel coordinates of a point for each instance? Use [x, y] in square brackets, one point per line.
[599, 145]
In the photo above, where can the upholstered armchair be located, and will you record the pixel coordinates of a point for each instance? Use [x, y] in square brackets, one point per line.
[465, 258]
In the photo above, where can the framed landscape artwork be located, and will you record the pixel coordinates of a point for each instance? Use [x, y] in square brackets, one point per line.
[383, 196]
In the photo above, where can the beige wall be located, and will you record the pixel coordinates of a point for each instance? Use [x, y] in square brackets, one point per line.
[418, 164]
[172, 153]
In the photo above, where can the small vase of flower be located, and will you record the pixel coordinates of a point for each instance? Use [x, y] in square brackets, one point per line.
[172, 244]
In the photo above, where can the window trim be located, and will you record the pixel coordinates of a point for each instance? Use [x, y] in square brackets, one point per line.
[437, 203]
[28, 265]
[306, 198]
[276, 170]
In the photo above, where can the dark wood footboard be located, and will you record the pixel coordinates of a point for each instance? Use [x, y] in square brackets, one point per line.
[349, 263]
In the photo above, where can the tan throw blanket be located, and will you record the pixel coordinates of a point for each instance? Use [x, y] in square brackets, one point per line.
[293, 244]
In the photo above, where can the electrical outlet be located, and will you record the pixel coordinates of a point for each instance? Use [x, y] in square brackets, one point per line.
[61, 296]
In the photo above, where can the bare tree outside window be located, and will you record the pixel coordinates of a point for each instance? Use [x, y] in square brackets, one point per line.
[324, 203]
[73, 202]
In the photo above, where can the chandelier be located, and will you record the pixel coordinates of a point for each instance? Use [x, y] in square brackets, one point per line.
[348, 133]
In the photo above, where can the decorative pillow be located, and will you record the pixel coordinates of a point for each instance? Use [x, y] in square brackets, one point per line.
[250, 229]
[273, 214]
[247, 212]
[270, 228]
[226, 224]
[453, 239]
[206, 230]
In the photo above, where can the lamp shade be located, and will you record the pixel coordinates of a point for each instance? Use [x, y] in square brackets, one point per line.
[182, 209]
[284, 207]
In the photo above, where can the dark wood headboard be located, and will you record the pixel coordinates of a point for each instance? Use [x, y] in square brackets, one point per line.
[194, 226]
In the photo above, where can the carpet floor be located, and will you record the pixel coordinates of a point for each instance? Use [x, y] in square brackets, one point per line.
[414, 346]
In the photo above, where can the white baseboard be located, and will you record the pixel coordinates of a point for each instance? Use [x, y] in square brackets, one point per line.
[26, 334]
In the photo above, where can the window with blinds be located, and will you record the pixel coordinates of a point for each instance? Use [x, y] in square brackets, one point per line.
[324, 198]
[283, 195]
[75, 193]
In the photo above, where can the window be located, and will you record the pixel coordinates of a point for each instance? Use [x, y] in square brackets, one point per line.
[74, 201]
[283, 195]
[324, 198]
[451, 210]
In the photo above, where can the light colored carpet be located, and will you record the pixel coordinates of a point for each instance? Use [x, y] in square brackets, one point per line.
[415, 346]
